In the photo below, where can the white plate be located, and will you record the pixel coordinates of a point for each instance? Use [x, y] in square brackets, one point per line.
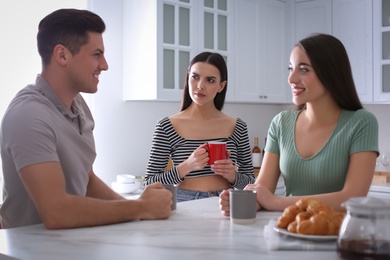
[125, 188]
[307, 237]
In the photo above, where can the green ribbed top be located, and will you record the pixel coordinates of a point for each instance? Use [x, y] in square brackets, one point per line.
[325, 172]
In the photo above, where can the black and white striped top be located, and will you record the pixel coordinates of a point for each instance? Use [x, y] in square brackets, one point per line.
[168, 143]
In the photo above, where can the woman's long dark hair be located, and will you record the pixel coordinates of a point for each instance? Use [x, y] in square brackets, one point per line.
[216, 60]
[330, 61]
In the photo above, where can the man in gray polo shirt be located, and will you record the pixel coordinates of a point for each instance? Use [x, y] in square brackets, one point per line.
[47, 143]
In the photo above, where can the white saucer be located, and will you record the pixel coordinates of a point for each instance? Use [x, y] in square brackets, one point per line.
[125, 187]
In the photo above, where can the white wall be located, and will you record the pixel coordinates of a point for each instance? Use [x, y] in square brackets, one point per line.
[20, 61]
[19, 26]
[123, 129]
[382, 113]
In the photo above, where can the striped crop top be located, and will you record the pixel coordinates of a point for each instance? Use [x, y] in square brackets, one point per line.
[168, 143]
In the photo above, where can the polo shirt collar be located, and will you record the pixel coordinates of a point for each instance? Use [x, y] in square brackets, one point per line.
[49, 93]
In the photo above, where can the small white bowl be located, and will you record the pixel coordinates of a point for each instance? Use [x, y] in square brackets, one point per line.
[125, 178]
[125, 187]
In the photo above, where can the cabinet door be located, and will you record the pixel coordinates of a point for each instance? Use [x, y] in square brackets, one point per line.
[246, 51]
[313, 17]
[176, 40]
[352, 25]
[274, 53]
[381, 50]
[215, 27]
[260, 52]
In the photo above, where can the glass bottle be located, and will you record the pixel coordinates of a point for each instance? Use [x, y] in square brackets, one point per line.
[256, 156]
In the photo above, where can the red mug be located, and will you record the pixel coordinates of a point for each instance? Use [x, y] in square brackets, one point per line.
[217, 151]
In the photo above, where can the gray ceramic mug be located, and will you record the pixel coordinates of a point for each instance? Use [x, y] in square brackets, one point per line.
[173, 189]
[243, 206]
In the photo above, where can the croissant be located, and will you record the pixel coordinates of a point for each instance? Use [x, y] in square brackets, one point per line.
[321, 224]
[292, 227]
[311, 217]
[316, 208]
[335, 223]
[288, 216]
[304, 203]
[316, 225]
[304, 215]
[305, 227]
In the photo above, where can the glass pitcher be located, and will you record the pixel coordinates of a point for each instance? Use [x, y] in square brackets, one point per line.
[365, 230]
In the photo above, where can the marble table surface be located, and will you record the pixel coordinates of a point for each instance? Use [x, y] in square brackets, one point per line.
[197, 230]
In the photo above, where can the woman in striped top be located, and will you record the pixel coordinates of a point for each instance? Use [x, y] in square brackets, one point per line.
[183, 137]
[326, 149]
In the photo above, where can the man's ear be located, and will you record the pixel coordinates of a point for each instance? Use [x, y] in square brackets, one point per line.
[61, 54]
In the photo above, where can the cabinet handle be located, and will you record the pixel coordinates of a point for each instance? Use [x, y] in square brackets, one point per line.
[261, 97]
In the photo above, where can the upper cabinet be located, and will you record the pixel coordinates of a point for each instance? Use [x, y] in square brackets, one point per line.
[215, 34]
[382, 50]
[261, 51]
[363, 26]
[162, 36]
[312, 17]
[255, 37]
[351, 22]
[160, 39]
[352, 25]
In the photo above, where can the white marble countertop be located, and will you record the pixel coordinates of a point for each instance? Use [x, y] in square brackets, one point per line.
[198, 230]
[375, 187]
[380, 187]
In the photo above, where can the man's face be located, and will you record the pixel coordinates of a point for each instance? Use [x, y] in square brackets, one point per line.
[84, 67]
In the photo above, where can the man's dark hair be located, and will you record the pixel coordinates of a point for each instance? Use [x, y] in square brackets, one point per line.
[68, 27]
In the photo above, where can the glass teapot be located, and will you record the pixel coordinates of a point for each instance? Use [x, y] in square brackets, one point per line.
[365, 230]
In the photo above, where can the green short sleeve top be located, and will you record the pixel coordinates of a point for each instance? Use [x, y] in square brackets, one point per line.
[325, 172]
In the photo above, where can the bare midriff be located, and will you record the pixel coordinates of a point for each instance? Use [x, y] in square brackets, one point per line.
[205, 184]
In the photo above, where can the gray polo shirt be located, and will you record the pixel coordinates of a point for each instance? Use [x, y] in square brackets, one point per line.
[38, 128]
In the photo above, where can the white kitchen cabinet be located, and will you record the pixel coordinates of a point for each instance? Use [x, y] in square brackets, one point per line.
[351, 22]
[313, 16]
[275, 52]
[215, 23]
[364, 28]
[381, 50]
[161, 37]
[255, 37]
[261, 51]
[143, 36]
[352, 25]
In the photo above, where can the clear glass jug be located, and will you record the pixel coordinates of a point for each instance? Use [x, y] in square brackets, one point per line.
[365, 230]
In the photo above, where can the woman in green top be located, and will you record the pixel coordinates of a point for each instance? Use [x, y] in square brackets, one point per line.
[327, 148]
